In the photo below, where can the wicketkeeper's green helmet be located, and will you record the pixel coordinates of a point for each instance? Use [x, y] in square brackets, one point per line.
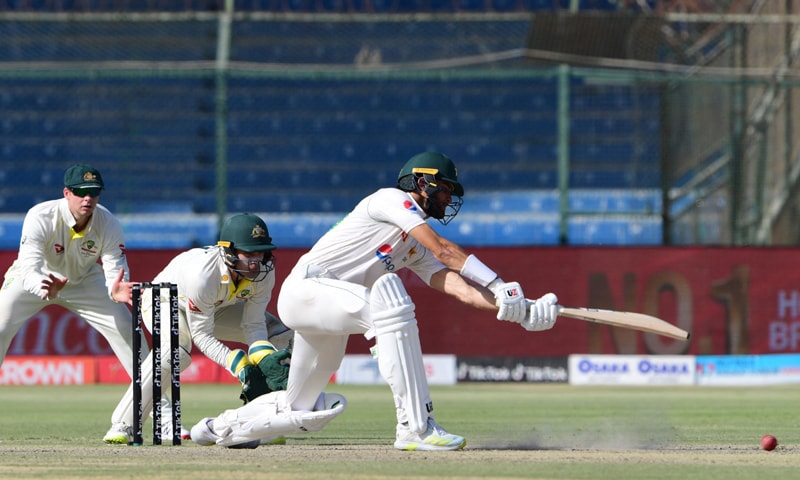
[432, 163]
[245, 232]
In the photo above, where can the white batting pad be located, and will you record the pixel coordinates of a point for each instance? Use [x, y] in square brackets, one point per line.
[399, 351]
[270, 416]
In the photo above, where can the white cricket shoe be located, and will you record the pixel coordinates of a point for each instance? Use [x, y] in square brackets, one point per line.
[203, 434]
[434, 438]
[119, 434]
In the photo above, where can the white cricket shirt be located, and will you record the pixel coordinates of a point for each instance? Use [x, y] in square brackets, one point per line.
[373, 240]
[205, 285]
[49, 245]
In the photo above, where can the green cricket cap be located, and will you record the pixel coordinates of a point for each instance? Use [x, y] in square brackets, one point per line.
[82, 176]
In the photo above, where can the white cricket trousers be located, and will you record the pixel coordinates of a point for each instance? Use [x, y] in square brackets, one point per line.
[88, 299]
[323, 312]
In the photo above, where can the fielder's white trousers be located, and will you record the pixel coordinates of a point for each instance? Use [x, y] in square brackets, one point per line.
[87, 299]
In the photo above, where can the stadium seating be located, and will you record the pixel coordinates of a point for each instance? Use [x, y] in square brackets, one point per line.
[304, 149]
[317, 6]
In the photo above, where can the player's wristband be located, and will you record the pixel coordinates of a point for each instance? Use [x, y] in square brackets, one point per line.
[259, 350]
[494, 284]
[237, 360]
[477, 271]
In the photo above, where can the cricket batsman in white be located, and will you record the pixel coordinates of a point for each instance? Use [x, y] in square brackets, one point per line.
[223, 292]
[348, 284]
[72, 254]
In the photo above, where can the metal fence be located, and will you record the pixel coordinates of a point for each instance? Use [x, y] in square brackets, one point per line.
[679, 126]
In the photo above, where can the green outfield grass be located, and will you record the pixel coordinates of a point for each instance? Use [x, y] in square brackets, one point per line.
[513, 431]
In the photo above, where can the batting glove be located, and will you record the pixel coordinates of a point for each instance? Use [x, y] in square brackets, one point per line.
[511, 302]
[541, 313]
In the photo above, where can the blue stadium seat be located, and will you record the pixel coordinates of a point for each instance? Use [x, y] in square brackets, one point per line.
[593, 230]
[298, 231]
[502, 230]
[21, 203]
[596, 150]
[541, 4]
[596, 128]
[512, 201]
[505, 5]
[178, 231]
[10, 232]
[184, 207]
[616, 200]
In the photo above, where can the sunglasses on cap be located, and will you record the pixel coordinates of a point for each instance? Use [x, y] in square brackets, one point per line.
[82, 192]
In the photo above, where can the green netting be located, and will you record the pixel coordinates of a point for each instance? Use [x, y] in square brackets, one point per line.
[204, 113]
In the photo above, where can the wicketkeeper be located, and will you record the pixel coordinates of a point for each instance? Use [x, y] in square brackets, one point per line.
[348, 284]
[223, 292]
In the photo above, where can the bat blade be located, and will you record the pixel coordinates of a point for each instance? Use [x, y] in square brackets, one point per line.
[631, 320]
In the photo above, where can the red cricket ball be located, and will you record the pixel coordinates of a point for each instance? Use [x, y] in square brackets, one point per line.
[768, 442]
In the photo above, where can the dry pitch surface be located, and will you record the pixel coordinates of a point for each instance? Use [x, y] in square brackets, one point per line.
[541, 432]
[293, 461]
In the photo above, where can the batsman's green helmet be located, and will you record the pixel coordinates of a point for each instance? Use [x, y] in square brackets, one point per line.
[245, 232]
[434, 163]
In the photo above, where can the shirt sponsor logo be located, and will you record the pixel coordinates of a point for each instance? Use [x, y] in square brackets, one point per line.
[89, 247]
[193, 307]
[384, 254]
[409, 205]
[58, 248]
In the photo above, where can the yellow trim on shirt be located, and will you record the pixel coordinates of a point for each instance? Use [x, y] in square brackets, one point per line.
[233, 290]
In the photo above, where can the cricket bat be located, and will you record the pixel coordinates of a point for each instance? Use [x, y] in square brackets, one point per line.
[635, 321]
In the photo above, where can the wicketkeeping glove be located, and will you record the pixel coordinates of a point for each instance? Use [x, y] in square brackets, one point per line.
[510, 300]
[541, 313]
[254, 384]
[271, 363]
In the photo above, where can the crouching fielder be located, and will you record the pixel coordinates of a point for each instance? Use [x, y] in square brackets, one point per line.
[347, 284]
